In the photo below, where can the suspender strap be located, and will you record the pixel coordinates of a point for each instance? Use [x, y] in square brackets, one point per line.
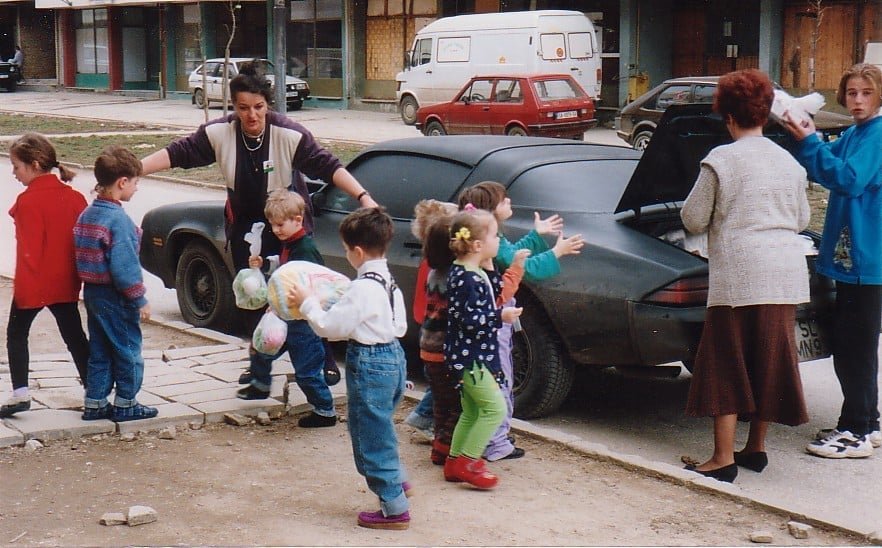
[380, 280]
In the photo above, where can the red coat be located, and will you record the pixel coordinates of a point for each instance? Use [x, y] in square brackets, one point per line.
[45, 268]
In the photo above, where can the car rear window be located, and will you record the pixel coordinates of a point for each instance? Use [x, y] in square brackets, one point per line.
[399, 181]
[592, 186]
[554, 90]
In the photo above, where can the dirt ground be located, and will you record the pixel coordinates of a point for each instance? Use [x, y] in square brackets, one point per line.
[283, 485]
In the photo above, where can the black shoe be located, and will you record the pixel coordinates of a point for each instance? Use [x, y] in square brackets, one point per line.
[9, 409]
[516, 453]
[251, 392]
[314, 420]
[724, 473]
[96, 414]
[245, 378]
[332, 375]
[510, 438]
[756, 461]
[133, 413]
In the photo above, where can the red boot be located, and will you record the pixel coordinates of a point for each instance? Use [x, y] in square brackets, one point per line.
[473, 472]
[439, 452]
[450, 469]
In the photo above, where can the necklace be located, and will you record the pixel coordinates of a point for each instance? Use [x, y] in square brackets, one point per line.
[259, 140]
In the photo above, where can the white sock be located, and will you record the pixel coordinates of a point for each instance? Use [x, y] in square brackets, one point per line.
[20, 392]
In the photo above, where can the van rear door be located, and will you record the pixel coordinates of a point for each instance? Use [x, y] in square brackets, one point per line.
[568, 45]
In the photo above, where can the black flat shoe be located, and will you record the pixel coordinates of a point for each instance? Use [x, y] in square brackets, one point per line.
[516, 453]
[245, 378]
[725, 473]
[756, 461]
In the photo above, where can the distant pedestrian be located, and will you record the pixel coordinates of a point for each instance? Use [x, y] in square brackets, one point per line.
[45, 269]
[543, 263]
[285, 211]
[107, 243]
[752, 212]
[18, 61]
[851, 254]
[372, 317]
[471, 347]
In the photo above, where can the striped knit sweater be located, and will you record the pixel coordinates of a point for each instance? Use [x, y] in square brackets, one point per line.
[107, 244]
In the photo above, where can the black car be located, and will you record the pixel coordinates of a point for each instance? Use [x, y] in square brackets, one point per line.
[633, 297]
[9, 75]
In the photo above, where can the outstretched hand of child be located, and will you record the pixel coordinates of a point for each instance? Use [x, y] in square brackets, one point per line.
[255, 262]
[568, 246]
[520, 257]
[551, 225]
[511, 313]
[298, 293]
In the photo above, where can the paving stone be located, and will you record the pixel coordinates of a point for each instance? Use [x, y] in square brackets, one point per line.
[62, 382]
[240, 354]
[176, 324]
[169, 414]
[60, 398]
[227, 372]
[215, 335]
[9, 436]
[191, 351]
[113, 518]
[146, 398]
[154, 354]
[277, 388]
[181, 377]
[214, 410]
[226, 393]
[35, 365]
[139, 515]
[183, 363]
[55, 424]
[52, 357]
[173, 390]
[64, 371]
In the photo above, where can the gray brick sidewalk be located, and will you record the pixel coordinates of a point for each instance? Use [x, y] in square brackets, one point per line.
[192, 385]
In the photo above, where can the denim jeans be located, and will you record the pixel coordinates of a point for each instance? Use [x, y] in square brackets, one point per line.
[375, 378]
[114, 347]
[856, 325]
[307, 354]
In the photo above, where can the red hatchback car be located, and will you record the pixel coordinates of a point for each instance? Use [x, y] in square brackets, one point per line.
[548, 105]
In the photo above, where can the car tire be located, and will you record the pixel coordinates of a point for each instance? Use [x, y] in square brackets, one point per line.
[199, 98]
[434, 129]
[516, 131]
[543, 374]
[205, 288]
[408, 108]
[296, 105]
[641, 140]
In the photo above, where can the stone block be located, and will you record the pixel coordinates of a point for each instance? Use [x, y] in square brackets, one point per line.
[215, 410]
[216, 335]
[55, 424]
[225, 393]
[154, 354]
[183, 363]
[68, 371]
[113, 518]
[182, 377]
[173, 390]
[169, 414]
[761, 537]
[237, 355]
[68, 365]
[139, 515]
[191, 351]
[798, 530]
[60, 398]
[227, 372]
[51, 357]
[61, 382]
[9, 436]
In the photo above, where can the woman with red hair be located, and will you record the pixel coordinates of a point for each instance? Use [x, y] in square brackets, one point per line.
[750, 200]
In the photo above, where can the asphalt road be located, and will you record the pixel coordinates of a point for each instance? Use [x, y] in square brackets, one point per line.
[640, 416]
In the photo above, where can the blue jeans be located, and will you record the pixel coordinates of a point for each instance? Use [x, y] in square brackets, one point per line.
[307, 354]
[375, 378]
[114, 347]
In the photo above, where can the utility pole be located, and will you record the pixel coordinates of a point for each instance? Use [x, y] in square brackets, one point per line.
[280, 45]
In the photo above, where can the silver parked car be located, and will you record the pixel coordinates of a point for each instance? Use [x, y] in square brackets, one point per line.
[296, 90]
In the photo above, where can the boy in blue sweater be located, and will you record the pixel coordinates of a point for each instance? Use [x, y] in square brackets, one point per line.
[107, 243]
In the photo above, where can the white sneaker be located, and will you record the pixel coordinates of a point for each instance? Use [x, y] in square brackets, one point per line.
[875, 438]
[841, 445]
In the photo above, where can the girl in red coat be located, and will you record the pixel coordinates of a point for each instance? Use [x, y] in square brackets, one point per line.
[45, 270]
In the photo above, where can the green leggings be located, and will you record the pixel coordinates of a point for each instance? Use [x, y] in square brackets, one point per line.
[483, 410]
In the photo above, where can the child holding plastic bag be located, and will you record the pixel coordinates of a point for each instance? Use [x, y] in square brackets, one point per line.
[284, 210]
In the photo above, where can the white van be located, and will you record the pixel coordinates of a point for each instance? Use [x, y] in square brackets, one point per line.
[873, 54]
[448, 52]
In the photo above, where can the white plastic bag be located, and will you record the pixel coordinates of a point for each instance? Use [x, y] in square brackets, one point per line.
[270, 334]
[325, 284]
[249, 288]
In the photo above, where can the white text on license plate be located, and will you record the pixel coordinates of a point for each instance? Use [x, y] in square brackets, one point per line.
[811, 341]
[565, 114]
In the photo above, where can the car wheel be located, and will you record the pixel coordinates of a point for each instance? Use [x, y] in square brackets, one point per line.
[204, 287]
[641, 140]
[199, 98]
[543, 375]
[434, 128]
[296, 105]
[516, 131]
[409, 108]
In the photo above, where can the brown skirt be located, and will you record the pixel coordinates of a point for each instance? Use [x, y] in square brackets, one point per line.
[747, 365]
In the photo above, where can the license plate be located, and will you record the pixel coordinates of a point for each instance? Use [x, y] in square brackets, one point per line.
[811, 341]
[566, 114]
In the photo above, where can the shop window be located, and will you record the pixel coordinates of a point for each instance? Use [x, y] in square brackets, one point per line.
[91, 41]
[315, 45]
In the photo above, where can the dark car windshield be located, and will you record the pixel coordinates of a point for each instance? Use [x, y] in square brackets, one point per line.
[588, 186]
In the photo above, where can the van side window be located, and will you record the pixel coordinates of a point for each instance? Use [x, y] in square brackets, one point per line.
[422, 53]
[553, 46]
[581, 45]
[456, 49]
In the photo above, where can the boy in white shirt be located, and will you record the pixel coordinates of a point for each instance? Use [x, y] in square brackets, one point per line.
[371, 315]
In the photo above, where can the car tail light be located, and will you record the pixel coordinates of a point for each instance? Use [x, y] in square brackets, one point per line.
[683, 292]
